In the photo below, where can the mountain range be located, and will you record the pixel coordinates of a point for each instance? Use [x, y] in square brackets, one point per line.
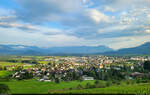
[139, 50]
[33, 50]
[71, 50]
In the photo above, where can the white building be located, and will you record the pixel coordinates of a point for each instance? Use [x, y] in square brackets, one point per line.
[85, 77]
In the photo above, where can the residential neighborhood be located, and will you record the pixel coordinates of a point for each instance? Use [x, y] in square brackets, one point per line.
[69, 68]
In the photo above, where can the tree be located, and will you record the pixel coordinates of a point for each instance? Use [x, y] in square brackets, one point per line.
[96, 82]
[88, 85]
[79, 87]
[34, 62]
[4, 89]
[18, 68]
[147, 65]
[108, 83]
[57, 80]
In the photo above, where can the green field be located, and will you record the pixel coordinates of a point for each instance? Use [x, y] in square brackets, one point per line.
[26, 66]
[4, 73]
[35, 87]
[9, 63]
[122, 89]
[43, 62]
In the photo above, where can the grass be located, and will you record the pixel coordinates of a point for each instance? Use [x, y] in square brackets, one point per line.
[35, 87]
[9, 63]
[26, 66]
[4, 73]
[43, 62]
[122, 89]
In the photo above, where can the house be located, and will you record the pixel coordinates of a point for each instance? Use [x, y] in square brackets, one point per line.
[18, 76]
[85, 77]
[132, 67]
[136, 74]
[101, 66]
[45, 79]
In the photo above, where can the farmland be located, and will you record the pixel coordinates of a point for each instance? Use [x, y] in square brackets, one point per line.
[35, 87]
[122, 89]
[4, 73]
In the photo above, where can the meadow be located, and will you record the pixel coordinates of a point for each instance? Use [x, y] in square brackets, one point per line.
[9, 64]
[4, 73]
[25, 66]
[35, 87]
[122, 89]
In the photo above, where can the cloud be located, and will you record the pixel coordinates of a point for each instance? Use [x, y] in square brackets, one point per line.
[17, 25]
[48, 10]
[42, 40]
[130, 41]
[147, 31]
[75, 22]
[97, 16]
[109, 9]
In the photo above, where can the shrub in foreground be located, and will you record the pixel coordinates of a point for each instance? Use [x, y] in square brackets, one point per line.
[4, 89]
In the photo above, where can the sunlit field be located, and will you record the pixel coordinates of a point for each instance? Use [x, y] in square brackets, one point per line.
[35, 87]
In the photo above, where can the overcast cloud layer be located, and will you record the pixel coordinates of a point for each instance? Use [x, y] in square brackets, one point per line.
[48, 23]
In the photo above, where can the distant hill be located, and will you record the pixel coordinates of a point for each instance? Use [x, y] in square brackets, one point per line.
[72, 50]
[142, 49]
[19, 50]
[33, 50]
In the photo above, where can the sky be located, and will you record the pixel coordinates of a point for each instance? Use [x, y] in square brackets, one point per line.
[53, 23]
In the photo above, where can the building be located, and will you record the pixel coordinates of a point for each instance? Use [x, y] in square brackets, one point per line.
[101, 66]
[85, 77]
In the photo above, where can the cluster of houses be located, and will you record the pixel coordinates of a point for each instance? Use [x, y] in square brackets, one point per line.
[45, 72]
[60, 66]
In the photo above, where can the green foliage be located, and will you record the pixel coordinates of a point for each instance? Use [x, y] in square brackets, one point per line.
[147, 65]
[4, 74]
[57, 80]
[100, 85]
[4, 89]
[36, 87]
[96, 82]
[108, 83]
[116, 82]
[79, 87]
[88, 85]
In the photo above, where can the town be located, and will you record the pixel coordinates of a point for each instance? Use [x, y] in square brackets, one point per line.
[95, 71]
[52, 68]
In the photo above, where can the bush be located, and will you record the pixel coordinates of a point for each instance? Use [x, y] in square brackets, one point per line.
[100, 85]
[128, 82]
[4, 79]
[88, 85]
[79, 87]
[108, 83]
[96, 82]
[70, 88]
[132, 82]
[116, 82]
[147, 65]
[138, 81]
[4, 89]
[144, 81]
[57, 80]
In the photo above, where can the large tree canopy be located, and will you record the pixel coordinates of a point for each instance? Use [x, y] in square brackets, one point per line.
[4, 89]
[147, 65]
